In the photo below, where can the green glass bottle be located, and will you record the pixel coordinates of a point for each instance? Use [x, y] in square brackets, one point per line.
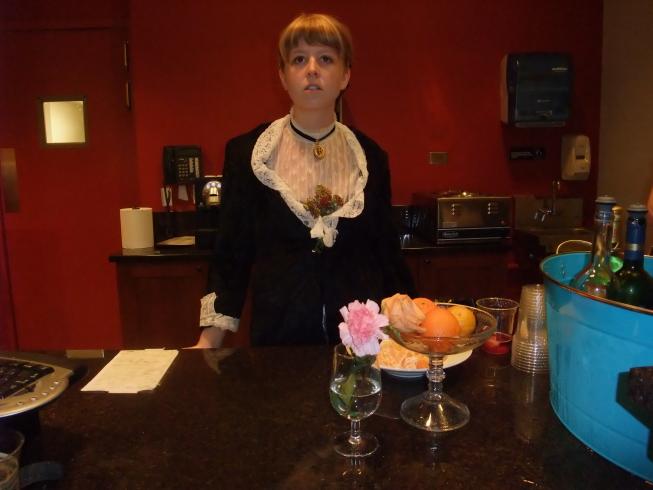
[632, 284]
[597, 275]
[618, 235]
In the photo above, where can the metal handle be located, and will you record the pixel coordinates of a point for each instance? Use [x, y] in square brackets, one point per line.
[9, 179]
[587, 245]
[584, 243]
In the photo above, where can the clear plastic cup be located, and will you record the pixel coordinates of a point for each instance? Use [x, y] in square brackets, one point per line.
[504, 310]
[11, 445]
[530, 347]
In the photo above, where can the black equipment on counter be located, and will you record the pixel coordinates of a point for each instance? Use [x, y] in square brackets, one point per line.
[29, 381]
[208, 194]
[456, 217]
[208, 191]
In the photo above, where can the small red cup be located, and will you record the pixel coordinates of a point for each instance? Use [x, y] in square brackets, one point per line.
[504, 310]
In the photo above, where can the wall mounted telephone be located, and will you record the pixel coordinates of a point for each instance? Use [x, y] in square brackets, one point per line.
[181, 164]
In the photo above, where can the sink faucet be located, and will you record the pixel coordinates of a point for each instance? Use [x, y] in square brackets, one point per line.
[550, 206]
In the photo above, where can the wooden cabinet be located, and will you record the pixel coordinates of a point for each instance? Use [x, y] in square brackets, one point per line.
[160, 301]
[445, 273]
[160, 295]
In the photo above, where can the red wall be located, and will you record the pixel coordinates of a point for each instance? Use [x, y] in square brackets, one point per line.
[425, 78]
[64, 288]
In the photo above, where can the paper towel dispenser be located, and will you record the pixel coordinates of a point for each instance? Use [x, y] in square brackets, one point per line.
[535, 89]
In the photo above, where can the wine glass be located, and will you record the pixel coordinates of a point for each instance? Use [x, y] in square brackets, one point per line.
[355, 393]
[434, 410]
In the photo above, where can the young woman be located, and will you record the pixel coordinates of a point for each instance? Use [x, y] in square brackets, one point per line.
[305, 208]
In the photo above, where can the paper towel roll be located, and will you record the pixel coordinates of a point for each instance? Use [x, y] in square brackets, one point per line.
[136, 228]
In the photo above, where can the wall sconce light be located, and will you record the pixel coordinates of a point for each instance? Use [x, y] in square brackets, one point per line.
[63, 120]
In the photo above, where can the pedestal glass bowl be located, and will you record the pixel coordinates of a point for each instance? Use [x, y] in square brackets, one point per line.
[434, 410]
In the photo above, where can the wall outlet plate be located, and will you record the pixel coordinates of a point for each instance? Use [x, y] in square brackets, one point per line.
[438, 157]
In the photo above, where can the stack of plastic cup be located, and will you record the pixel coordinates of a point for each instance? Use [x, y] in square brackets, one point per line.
[11, 445]
[530, 346]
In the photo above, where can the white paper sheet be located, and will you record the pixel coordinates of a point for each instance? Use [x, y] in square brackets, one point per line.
[132, 371]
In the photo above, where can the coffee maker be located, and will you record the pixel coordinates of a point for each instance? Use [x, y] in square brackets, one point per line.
[208, 194]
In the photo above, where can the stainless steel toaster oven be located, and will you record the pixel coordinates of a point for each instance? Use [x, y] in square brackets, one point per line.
[455, 217]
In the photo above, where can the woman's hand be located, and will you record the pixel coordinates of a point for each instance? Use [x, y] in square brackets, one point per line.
[210, 338]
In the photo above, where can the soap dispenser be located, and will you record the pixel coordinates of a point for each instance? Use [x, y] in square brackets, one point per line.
[575, 157]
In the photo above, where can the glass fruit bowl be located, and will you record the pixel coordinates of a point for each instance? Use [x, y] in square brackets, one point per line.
[433, 410]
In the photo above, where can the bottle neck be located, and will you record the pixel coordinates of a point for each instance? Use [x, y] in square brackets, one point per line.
[602, 241]
[635, 238]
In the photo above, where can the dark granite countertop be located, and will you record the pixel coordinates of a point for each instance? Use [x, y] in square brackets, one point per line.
[261, 418]
[161, 254]
[409, 243]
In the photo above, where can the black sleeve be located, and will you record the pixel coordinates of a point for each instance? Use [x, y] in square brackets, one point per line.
[235, 245]
[396, 274]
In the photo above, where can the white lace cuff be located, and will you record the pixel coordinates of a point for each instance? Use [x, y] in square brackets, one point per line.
[209, 318]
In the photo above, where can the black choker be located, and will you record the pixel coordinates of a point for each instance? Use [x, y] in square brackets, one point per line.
[318, 149]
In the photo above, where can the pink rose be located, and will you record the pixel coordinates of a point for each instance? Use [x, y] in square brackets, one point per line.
[361, 330]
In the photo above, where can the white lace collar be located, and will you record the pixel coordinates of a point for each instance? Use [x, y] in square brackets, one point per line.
[323, 227]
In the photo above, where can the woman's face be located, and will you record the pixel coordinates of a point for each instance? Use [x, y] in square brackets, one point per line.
[314, 76]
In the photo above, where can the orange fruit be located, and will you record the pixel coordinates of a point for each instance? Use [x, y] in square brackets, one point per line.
[466, 319]
[440, 322]
[422, 363]
[424, 304]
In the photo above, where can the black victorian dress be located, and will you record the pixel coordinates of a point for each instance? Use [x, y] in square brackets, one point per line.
[297, 292]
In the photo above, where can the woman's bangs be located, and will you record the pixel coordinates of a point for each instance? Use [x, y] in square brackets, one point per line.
[314, 35]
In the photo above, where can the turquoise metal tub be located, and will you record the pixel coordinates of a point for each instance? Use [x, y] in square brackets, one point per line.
[592, 341]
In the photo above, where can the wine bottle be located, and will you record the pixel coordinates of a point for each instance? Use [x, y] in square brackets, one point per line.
[617, 241]
[632, 284]
[597, 275]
